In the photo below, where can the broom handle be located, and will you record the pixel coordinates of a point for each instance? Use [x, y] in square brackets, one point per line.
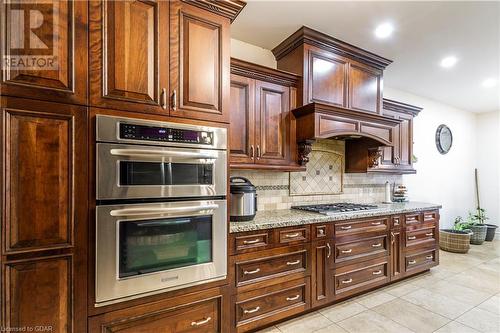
[477, 190]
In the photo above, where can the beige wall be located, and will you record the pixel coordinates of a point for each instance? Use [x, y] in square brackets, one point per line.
[252, 53]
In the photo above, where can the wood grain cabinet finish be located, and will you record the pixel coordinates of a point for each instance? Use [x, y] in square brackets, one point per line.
[39, 292]
[334, 72]
[398, 159]
[57, 40]
[198, 312]
[129, 55]
[199, 63]
[321, 274]
[261, 125]
[360, 248]
[396, 254]
[43, 155]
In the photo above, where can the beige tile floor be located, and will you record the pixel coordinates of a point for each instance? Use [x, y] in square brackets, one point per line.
[461, 295]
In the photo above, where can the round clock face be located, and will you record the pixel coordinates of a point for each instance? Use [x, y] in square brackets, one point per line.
[444, 139]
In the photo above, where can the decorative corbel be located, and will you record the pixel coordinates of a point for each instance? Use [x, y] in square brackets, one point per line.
[304, 148]
[374, 155]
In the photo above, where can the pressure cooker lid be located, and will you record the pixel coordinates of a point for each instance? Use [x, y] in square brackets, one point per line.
[241, 185]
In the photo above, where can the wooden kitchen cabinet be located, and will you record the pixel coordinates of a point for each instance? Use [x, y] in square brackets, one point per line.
[322, 288]
[261, 125]
[398, 158]
[129, 56]
[194, 312]
[334, 72]
[44, 226]
[199, 63]
[60, 71]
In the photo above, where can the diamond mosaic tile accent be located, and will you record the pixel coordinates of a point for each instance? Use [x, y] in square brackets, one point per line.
[324, 174]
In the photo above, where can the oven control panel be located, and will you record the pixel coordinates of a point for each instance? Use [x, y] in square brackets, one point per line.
[166, 134]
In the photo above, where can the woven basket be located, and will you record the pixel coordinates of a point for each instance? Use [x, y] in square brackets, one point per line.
[479, 234]
[454, 241]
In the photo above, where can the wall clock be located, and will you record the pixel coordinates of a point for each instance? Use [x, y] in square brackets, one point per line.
[444, 139]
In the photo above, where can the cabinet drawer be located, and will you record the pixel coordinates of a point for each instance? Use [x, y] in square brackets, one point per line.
[412, 219]
[358, 277]
[421, 260]
[270, 302]
[295, 235]
[420, 237]
[171, 315]
[270, 267]
[397, 221]
[356, 227]
[262, 306]
[360, 248]
[431, 216]
[254, 242]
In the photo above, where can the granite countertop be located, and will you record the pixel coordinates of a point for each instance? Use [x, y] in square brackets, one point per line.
[293, 217]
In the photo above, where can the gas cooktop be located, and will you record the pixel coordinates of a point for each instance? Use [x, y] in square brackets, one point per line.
[335, 208]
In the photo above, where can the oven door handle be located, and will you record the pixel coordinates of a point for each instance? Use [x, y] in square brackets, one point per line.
[138, 211]
[161, 153]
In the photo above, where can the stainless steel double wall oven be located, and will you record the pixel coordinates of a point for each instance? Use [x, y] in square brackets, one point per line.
[161, 207]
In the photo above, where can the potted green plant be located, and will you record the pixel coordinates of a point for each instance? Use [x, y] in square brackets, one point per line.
[457, 239]
[478, 229]
[481, 217]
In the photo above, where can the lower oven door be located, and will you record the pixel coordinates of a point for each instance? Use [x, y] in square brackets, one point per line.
[143, 249]
[137, 171]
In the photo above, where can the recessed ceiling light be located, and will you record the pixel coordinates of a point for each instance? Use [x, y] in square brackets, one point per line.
[384, 30]
[488, 83]
[449, 62]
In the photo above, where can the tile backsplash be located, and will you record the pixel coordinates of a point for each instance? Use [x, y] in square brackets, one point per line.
[320, 183]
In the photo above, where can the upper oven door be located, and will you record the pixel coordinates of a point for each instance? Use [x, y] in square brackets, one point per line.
[136, 171]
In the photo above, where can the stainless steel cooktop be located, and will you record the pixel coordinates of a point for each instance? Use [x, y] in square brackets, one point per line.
[333, 208]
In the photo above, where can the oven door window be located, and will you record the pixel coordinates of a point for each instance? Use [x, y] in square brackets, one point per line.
[148, 246]
[158, 173]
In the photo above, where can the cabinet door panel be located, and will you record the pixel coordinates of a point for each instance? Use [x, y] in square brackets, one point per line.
[397, 260]
[327, 79]
[406, 141]
[45, 50]
[199, 70]
[39, 293]
[364, 88]
[322, 275]
[273, 112]
[129, 55]
[242, 120]
[39, 179]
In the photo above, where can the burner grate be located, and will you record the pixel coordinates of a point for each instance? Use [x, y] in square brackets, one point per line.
[335, 207]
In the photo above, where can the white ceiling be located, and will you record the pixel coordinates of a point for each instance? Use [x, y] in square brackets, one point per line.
[425, 32]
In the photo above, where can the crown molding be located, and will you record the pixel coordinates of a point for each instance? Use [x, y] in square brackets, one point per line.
[226, 8]
[258, 72]
[391, 105]
[306, 35]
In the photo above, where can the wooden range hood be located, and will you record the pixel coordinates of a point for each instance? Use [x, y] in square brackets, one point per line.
[365, 132]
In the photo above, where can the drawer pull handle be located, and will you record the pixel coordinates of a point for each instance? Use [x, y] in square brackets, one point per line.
[376, 223]
[377, 245]
[346, 227]
[429, 257]
[412, 237]
[377, 272]
[346, 251]
[252, 272]
[411, 219]
[429, 234]
[201, 322]
[294, 298]
[428, 217]
[346, 281]
[329, 250]
[248, 242]
[412, 262]
[257, 308]
[291, 263]
[292, 235]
